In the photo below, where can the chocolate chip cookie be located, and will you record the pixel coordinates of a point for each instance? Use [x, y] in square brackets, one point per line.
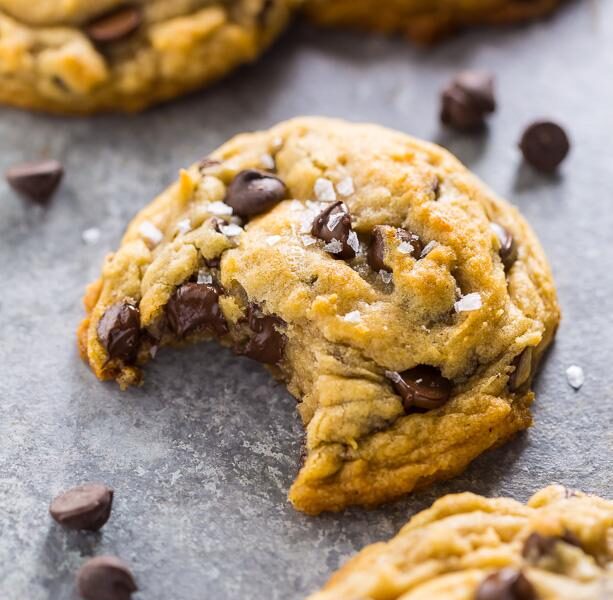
[405, 306]
[424, 21]
[83, 56]
[466, 547]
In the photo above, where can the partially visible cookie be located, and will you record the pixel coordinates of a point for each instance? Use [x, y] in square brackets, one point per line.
[403, 304]
[559, 546]
[82, 56]
[424, 21]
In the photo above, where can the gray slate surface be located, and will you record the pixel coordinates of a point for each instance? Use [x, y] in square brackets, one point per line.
[201, 457]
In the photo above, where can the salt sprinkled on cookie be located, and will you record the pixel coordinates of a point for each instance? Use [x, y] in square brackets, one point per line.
[353, 317]
[219, 208]
[334, 247]
[184, 226]
[231, 230]
[150, 232]
[428, 248]
[204, 277]
[324, 190]
[271, 240]
[345, 187]
[405, 247]
[468, 303]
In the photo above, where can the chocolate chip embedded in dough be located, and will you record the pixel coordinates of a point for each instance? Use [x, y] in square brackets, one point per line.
[119, 331]
[116, 25]
[506, 584]
[422, 387]
[333, 226]
[268, 342]
[508, 245]
[253, 192]
[194, 306]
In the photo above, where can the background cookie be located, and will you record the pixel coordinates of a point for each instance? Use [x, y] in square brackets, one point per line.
[405, 306]
[83, 56]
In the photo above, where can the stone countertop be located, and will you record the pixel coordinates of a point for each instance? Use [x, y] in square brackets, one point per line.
[202, 455]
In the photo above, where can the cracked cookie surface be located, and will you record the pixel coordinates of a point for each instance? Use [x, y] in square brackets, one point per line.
[558, 546]
[82, 56]
[424, 21]
[403, 304]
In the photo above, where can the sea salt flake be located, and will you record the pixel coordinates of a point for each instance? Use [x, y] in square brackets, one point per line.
[324, 190]
[428, 248]
[334, 220]
[267, 161]
[575, 376]
[353, 317]
[91, 236]
[307, 240]
[231, 230]
[153, 351]
[271, 240]
[352, 240]
[184, 226]
[306, 225]
[394, 376]
[405, 247]
[386, 276]
[333, 247]
[204, 277]
[296, 205]
[150, 232]
[345, 187]
[468, 302]
[219, 208]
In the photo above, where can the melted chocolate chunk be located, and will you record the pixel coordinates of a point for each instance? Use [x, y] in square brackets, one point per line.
[376, 250]
[36, 180]
[268, 343]
[536, 545]
[119, 331]
[422, 387]
[506, 584]
[508, 246]
[195, 306]
[105, 578]
[333, 226]
[115, 25]
[544, 145]
[467, 100]
[86, 507]
[253, 192]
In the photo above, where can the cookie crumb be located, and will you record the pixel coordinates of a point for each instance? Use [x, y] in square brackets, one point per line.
[575, 377]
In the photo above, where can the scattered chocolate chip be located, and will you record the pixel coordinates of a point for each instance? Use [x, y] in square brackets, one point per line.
[422, 387]
[506, 584]
[253, 192]
[115, 25]
[467, 100]
[333, 224]
[119, 331]
[544, 145]
[536, 545]
[194, 306]
[376, 250]
[36, 180]
[86, 506]
[523, 369]
[508, 246]
[105, 578]
[268, 343]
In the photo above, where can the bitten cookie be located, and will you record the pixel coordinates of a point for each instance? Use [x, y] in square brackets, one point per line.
[404, 305]
[83, 56]
[424, 21]
[559, 546]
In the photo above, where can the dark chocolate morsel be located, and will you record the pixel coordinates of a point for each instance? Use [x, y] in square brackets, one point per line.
[508, 245]
[253, 192]
[467, 100]
[116, 25]
[536, 545]
[119, 331]
[422, 387]
[86, 506]
[268, 343]
[506, 584]
[194, 306]
[105, 578]
[376, 249]
[544, 145]
[36, 180]
[333, 226]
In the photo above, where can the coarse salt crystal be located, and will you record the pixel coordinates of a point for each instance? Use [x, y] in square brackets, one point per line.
[267, 161]
[231, 230]
[307, 240]
[468, 303]
[184, 226]
[428, 248]
[204, 277]
[575, 376]
[324, 190]
[394, 376]
[352, 240]
[153, 351]
[296, 205]
[386, 276]
[345, 187]
[353, 317]
[150, 232]
[219, 208]
[333, 246]
[405, 247]
[271, 240]
[91, 236]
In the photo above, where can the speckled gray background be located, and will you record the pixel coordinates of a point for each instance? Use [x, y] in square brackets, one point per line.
[201, 457]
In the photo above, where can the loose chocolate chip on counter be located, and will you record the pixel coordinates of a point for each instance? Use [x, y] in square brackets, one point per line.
[194, 306]
[523, 369]
[536, 545]
[116, 25]
[468, 99]
[333, 225]
[105, 578]
[506, 584]
[253, 192]
[544, 145]
[422, 387]
[119, 331]
[36, 180]
[268, 343]
[508, 246]
[86, 506]
[376, 250]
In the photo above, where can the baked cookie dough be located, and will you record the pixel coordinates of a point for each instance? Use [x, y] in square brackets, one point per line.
[81, 56]
[559, 546]
[424, 21]
[404, 305]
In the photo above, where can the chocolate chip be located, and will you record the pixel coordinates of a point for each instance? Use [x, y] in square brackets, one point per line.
[268, 343]
[508, 246]
[376, 249]
[86, 506]
[544, 145]
[333, 225]
[422, 387]
[195, 306]
[468, 99]
[115, 25]
[536, 545]
[105, 578]
[523, 369]
[506, 584]
[36, 180]
[119, 331]
[253, 192]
